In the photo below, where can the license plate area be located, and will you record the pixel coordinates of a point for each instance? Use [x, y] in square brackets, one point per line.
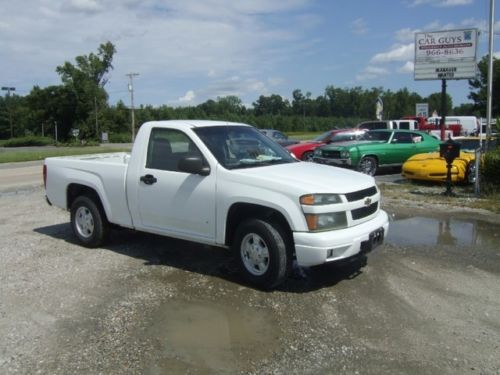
[375, 239]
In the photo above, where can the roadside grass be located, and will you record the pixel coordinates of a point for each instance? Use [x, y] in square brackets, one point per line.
[428, 195]
[303, 136]
[18, 156]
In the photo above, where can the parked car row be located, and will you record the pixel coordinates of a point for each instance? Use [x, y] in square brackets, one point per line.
[376, 148]
[366, 151]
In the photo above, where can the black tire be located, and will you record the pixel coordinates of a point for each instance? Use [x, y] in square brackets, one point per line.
[89, 222]
[307, 156]
[368, 165]
[470, 173]
[263, 256]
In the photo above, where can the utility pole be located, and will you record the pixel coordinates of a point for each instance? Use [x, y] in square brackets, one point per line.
[9, 89]
[489, 93]
[131, 89]
[96, 123]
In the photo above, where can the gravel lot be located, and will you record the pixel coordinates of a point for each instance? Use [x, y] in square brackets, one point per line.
[426, 302]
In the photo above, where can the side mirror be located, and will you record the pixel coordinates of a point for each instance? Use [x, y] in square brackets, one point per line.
[193, 165]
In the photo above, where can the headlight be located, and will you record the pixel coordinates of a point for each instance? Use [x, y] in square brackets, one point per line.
[327, 221]
[319, 199]
[345, 155]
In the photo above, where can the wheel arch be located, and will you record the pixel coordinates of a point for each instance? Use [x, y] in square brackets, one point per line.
[369, 155]
[75, 190]
[240, 212]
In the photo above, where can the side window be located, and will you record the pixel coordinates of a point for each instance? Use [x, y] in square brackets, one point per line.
[400, 137]
[404, 125]
[168, 146]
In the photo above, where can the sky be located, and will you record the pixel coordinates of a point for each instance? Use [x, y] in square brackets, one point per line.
[189, 51]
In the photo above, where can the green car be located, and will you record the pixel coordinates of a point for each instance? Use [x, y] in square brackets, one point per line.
[377, 148]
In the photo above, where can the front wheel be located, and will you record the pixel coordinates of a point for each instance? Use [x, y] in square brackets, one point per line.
[262, 253]
[470, 174]
[368, 165]
[307, 156]
[89, 222]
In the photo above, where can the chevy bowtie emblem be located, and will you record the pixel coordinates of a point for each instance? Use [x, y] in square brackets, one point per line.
[368, 201]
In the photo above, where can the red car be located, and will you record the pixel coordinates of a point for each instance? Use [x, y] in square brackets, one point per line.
[304, 150]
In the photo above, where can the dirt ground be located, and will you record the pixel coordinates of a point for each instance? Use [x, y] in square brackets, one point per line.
[426, 302]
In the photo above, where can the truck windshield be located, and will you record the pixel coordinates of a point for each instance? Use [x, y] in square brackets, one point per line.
[242, 147]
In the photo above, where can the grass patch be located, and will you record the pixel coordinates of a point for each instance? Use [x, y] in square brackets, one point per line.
[303, 136]
[428, 195]
[18, 156]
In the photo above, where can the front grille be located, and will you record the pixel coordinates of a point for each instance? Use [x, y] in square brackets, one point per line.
[330, 154]
[362, 212]
[358, 195]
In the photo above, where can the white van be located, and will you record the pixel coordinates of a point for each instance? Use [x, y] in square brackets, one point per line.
[389, 124]
[470, 124]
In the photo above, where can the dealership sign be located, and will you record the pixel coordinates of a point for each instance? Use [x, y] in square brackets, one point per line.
[447, 54]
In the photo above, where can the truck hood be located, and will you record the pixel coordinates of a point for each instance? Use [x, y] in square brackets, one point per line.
[302, 178]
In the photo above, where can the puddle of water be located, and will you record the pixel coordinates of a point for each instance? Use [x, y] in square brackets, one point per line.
[207, 336]
[421, 230]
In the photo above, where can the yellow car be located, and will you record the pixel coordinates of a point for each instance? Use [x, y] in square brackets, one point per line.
[432, 167]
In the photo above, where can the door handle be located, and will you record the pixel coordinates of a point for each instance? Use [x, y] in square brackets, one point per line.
[148, 179]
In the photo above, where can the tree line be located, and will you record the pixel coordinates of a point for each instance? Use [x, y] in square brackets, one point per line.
[80, 103]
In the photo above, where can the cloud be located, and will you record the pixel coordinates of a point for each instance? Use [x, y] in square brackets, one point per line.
[169, 42]
[441, 3]
[406, 35]
[397, 53]
[83, 6]
[358, 26]
[371, 72]
[408, 67]
[188, 97]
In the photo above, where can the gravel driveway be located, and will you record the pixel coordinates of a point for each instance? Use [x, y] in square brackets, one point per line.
[426, 302]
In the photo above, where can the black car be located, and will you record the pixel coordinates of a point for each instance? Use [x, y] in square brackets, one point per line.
[279, 137]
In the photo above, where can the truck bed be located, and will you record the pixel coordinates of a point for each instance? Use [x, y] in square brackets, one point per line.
[114, 158]
[102, 172]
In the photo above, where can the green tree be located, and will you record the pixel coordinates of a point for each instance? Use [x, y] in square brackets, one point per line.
[271, 105]
[50, 106]
[479, 85]
[87, 79]
[434, 101]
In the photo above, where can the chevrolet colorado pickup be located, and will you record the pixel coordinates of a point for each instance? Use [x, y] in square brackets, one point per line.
[222, 184]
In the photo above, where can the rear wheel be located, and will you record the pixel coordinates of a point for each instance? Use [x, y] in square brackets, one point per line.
[89, 222]
[368, 165]
[261, 249]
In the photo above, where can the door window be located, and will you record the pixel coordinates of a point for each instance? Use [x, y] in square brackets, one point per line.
[168, 146]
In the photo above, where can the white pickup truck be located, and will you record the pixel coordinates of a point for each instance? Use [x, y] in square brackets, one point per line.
[222, 184]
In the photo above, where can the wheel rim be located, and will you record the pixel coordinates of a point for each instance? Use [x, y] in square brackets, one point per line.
[254, 254]
[84, 222]
[368, 166]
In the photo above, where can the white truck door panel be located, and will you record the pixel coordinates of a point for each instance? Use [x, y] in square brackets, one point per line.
[178, 203]
[169, 201]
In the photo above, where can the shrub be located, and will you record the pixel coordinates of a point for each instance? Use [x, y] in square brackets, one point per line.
[80, 143]
[120, 137]
[28, 141]
[490, 168]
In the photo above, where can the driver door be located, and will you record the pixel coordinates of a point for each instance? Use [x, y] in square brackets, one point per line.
[172, 202]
